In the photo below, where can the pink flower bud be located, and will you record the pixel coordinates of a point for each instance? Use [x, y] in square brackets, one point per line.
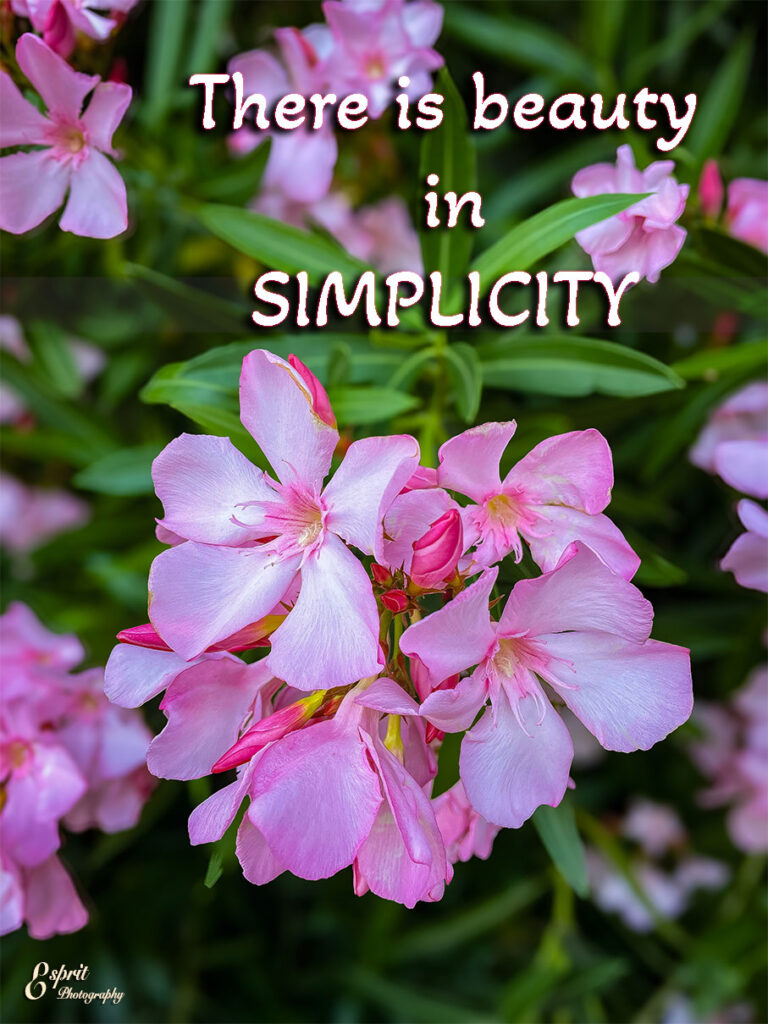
[269, 729]
[437, 553]
[711, 189]
[143, 636]
[58, 32]
[321, 403]
[381, 575]
[395, 601]
[433, 733]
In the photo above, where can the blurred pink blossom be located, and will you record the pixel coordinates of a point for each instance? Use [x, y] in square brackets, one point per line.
[644, 238]
[711, 189]
[465, 833]
[746, 214]
[747, 557]
[734, 441]
[34, 184]
[31, 516]
[60, 20]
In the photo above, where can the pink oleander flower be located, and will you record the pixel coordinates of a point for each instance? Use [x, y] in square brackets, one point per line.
[72, 159]
[249, 536]
[465, 833]
[663, 867]
[733, 755]
[383, 235]
[711, 190]
[300, 166]
[554, 495]
[746, 214]
[644, 238]
[734, 441]
[67, 757]
[747, 557]
[585, 632]
[60, 20]
[378, 41]
[31, 516]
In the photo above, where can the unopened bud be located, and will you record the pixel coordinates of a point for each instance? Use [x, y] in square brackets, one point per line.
[381, 575]
[269, 729]
[395, 601]
[58, 32]
[711, 189]
[437, 553]
[432, 733]
[321, 403]
[143, 636]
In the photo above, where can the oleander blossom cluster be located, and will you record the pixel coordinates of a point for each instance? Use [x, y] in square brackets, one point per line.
[363, 47]
[734, 445]
[665, 871]
[373, 594]
[67, 757]
[732, 753]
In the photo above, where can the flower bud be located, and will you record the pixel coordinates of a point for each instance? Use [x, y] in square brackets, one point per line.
[321, 403]
[433, 733]
[395, 601]
[711, 189]
[58, 32]
[381, 575]
[437, 553]
[269, 729]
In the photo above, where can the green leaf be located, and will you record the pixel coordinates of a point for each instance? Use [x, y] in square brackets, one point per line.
[277, 245]
[239, 181]
[571, 366]
[717, 113]
[712, 363]
[736, 258]
[163, 75]
[449, 152]
[557, 830]
[466, 376]
[188, 307]
[670, 48]
[519, 41]
[125, 472]
[359, 406]
[210, 20]
[538, 236]
[53, 353]
[215, 868]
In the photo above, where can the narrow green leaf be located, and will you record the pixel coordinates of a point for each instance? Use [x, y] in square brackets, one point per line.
[466, 376]
[713, 363]
[717, 113]
[672, 45]
[215, 868]
[163, 77]
[358, 406]
[239, 180]
[558, 832]
[277, 245]
[526, 243]
[210, 19]
[188, 307]
[124, 472]
[570, 366]
[448, 151]
[52, 349]
[519, 41]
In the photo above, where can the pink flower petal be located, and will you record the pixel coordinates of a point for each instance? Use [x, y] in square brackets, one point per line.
[469, 462]
[202, 481]
[136, 674]
[256, 859]
[314, 799]
[331, 636]
[744, 466]
[97, 206]
[23, 207]
[276, 409]
[388, 696]
[201, 593]
[52, 904]
[63, 89]
[374, 471]
[456, 709]
[456, 636]
[628, 695]
[105, 111]
[572, 469]
[568, 525]
[22, 123]
[508, 774]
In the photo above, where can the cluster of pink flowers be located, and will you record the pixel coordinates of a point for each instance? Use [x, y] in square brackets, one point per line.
[67, 756]
[61, 20]
[71, 146]
[366, 47]
[665, 871]
[733, 754]
[734, 445]
[375, 596]
[645, 238]
[746, 209]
